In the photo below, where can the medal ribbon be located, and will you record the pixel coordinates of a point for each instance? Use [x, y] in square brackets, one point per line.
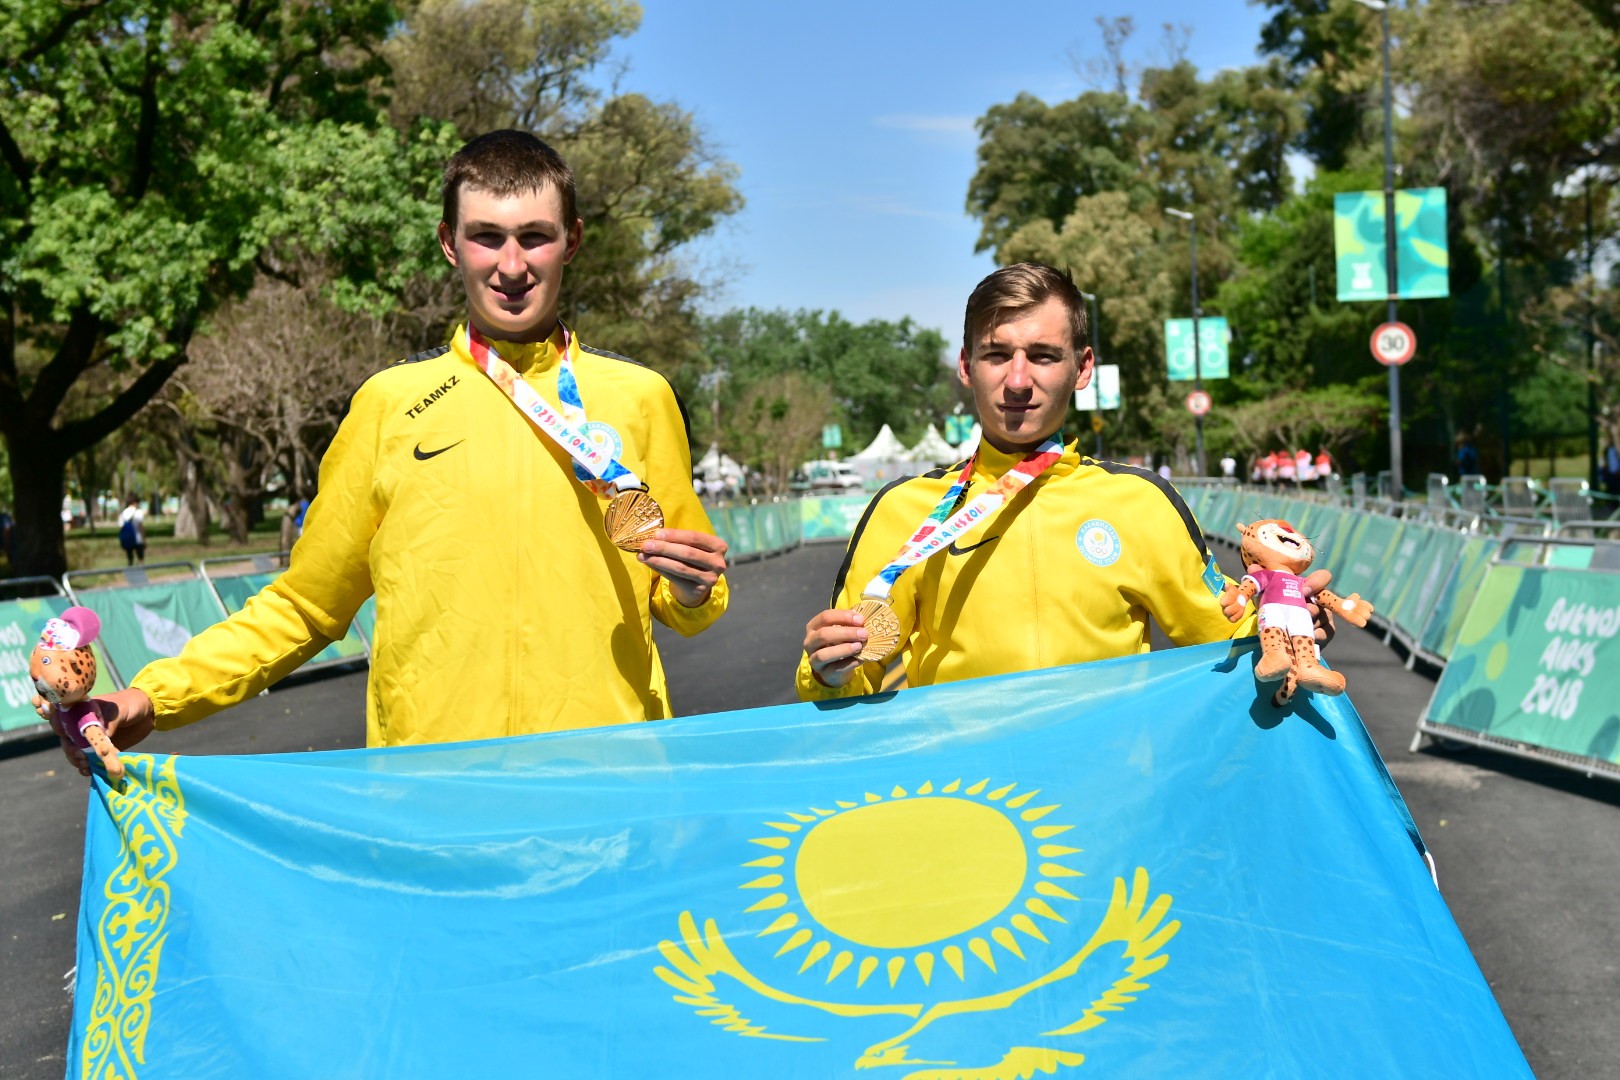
[946, 523]
[560, 428]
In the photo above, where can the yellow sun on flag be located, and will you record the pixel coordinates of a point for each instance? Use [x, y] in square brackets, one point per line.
[913, 880]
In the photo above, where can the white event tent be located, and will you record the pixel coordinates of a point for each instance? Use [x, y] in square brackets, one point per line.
[932, 448]
[716, 466]
[885, 447]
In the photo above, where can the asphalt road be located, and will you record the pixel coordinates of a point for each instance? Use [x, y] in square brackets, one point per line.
[1528, 855]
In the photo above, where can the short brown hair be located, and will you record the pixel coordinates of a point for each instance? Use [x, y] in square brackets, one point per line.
[1013, 290]
[507, 162]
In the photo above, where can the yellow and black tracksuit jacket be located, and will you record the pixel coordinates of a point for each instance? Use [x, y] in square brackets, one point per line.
[502, 609]
[1068, 570]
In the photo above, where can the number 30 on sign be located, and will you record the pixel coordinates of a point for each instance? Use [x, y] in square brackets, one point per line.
[1393, 343]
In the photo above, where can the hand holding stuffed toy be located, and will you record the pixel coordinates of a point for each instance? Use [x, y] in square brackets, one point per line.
[64, 669]
[1274, 557]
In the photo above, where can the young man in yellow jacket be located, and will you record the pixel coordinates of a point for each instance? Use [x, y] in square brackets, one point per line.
[502, 606]
[1068, 567]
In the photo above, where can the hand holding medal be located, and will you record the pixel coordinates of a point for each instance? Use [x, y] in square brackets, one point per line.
[691, 562]
[837, 642]
[632, 518]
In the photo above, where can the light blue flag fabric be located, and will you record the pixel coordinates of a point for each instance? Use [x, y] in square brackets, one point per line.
[1133, 868]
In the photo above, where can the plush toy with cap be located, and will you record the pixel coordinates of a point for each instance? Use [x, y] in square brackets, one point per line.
[63, 668]
[1275, 554]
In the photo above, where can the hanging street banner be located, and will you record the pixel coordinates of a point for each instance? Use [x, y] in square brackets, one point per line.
[1538, 661]
[1423, 260]
[1214, 344]
[958, 427]
[1135, 866]
[832, 437]
[1102, 392]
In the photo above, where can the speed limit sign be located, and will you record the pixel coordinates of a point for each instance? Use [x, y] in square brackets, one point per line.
[1198, 402]
[1393, 343]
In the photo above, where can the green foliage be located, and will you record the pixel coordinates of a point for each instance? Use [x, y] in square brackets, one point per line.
[1083, 185]
[1504, 105]
[1328, 49]
[648, 181]
[875, 372]
[154, 153]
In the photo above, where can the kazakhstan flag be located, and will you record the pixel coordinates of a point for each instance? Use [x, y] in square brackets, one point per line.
[1130, 868]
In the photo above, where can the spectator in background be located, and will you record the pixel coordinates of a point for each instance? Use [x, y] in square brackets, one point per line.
[1324, 464]
[6, 528]
[132, 530]
[1304, 467]
[1228, 467]
[1467, 456]
[1285, 466]
[1608, 475]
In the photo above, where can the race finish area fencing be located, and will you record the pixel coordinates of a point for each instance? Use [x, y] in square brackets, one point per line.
[149, 612]
[1513, 592]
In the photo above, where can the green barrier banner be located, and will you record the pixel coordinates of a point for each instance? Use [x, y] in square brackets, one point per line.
[832, 517]
[236, 590]
[770, 527]
[1399, 566]
[787, 516]
[1371, 548]
[20, 624]
[366, 618]
[1439, 553]
[740, 533]
[150, 622]
[1439, 635]
[1538, 661]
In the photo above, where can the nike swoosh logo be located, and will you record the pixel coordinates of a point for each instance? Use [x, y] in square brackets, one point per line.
[423, 455]
[954, 550]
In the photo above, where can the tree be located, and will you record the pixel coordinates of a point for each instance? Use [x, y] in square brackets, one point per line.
[1328, 54]
[648, 180]
[151, 151]
[777, 424]
[267, 399]
[876, 372]
[1083, 185]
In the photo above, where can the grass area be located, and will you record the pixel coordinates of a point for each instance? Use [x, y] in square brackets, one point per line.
[96, 549]
[1545, 469]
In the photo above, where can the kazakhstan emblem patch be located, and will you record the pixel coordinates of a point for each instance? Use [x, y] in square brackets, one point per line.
[896, 922]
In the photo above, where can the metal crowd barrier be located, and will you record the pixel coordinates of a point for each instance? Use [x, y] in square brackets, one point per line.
[1521, 616]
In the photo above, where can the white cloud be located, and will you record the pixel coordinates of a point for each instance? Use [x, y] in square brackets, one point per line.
[884, 204]
[929, 125]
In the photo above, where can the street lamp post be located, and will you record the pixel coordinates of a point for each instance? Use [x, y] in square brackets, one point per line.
[1198, 366]
[1390, 276]
[1096, 358]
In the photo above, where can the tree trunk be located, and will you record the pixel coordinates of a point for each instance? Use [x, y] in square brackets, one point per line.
[191, 523]
[37, 479]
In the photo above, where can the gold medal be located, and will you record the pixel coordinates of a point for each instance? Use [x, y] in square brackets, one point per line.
[632, 517]
[882, 629]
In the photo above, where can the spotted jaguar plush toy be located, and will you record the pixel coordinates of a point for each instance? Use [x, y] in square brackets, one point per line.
[1275, 554]
[63, 668]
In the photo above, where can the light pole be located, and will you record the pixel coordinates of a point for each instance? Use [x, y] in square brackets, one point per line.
[1390, 278]
[1096, 358]
[1198, 365]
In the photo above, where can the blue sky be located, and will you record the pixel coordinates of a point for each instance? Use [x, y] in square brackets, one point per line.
[852, 124]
